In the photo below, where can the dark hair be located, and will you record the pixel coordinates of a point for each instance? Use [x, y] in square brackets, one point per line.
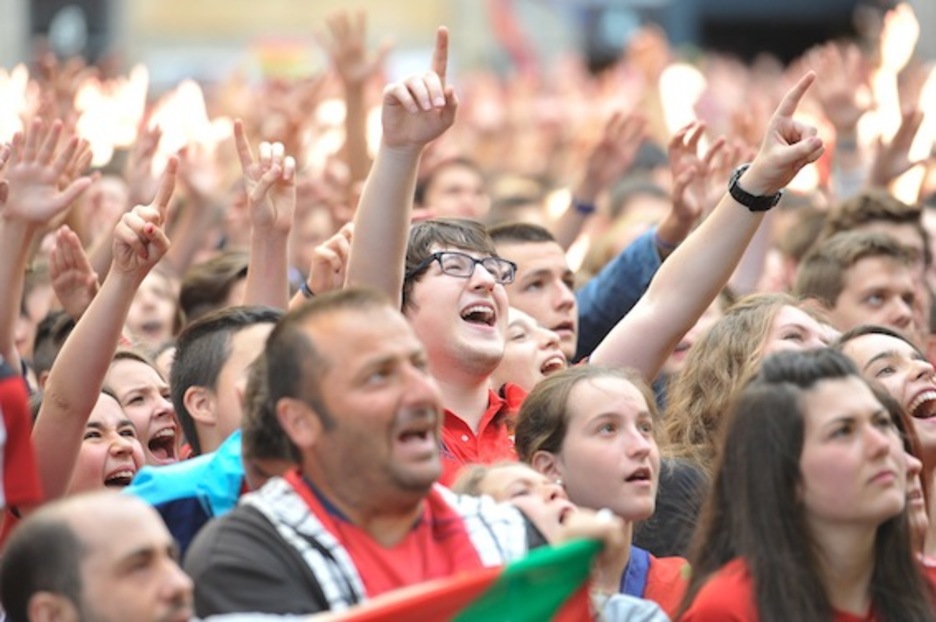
[206, 286]
[51, 334]
[872, 329]
[43, 554]
[295, 365]
[511, 232]
[544, 416]
[263, 436]
[458, 233]
[202, 349]
[752, 511]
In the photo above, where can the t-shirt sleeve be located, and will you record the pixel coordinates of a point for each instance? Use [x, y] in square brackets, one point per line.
[240, 565]
[726, 597]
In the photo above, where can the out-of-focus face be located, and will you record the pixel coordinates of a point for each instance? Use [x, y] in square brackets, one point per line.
[245, 346]
[542, 500]
[916, 502]
[906, 375]
[153, 310]
[794, 329]
[853, 466]
[110, 453]
[457, 191]
[461, 321]
[144, 396]
[531, 353]
[543, 288]
[877, 290]
[385, 408]
[131, 570]
[609, 456]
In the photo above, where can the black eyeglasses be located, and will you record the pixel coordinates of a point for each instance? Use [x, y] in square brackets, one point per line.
[462, 266]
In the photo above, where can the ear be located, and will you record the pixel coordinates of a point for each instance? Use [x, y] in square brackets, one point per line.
[51, 607]
[299, 421]
[546, 463]
[201, 404]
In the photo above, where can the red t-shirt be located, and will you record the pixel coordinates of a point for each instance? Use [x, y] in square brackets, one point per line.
[494, 441]
[20, 477]
[438, 545]
[728, 596]
[667, 580]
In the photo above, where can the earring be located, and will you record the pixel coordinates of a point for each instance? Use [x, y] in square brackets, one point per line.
[559, 481]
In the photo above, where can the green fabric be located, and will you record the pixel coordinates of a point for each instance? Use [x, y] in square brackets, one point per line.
[534, 588]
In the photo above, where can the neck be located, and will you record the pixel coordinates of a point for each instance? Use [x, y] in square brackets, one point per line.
[608, 572]
[208, 439]
[929, 541]
[385, 517]
[467, 399]
[846, 562]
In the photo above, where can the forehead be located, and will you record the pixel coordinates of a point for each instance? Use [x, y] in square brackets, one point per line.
[834, 398]
[108, 413]
[791, 315]
[455, 174]
[246, 344]
[906, 233]
[864, 348]
[354, 337]
[115, 530]
[516, 317]
[125, 372]
[603, 395]
[500, 477]
[878, 271]
[535, 256]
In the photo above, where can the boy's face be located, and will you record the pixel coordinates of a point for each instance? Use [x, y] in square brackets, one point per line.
[877, 290]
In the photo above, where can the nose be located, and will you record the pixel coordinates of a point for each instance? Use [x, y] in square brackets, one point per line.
[121, 445]
[901, 313]
[421, 389]
[177, 586]
[554, 490]
[547, 338]
[564, 298]
[163, 408]
[914, 465]
[880, 441]
[639, 445]
[922, 369]
[481, 278]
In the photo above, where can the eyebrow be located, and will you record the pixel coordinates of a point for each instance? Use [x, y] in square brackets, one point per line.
[120, 424]
[890, 354]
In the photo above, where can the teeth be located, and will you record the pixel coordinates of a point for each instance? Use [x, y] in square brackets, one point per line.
[926, 396]
[486, 313]
[165, 433]
[122, 474]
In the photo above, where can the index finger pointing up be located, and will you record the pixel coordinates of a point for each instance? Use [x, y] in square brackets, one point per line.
[166, 187]
[440, 54]
[792, 99]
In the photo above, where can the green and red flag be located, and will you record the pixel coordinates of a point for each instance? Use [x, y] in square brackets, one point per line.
[551, 583]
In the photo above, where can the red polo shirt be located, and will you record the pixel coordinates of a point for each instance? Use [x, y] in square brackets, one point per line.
[494, 441]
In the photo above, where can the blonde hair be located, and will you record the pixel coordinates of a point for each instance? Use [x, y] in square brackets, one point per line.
[717, 366]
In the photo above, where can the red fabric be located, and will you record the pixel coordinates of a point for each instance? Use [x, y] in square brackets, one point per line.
[728, 596]
[494, 441]
[667, 580]
[438, 545]
[21, 484]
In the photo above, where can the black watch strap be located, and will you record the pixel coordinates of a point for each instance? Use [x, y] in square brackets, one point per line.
[755, 203]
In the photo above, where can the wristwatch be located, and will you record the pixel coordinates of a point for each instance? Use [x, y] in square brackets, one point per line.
[755, 203]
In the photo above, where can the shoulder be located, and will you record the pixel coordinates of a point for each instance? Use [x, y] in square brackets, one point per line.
[727, 596]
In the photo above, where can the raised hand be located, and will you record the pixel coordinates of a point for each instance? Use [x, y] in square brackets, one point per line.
[4, 184]
[347, 47]
[892, 158]
[34, 172]
[839, 90]
[788, 146]
[198, 173]
[421, 108]
[139, 239]
[73, 279]
[690, 172]
[270, 183]
[899, 37]
[330, 261]
[139, 169]
[613, 155]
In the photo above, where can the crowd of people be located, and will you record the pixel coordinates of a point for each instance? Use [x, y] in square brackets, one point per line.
[323, 364]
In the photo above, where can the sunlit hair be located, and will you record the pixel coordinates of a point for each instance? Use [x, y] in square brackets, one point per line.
[754, 511]
[544, 417]
[717, 365]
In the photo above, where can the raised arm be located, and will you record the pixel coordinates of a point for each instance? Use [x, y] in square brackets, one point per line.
[77, 375]
[415, 112]
[693, 275]
[32, 199]
[271, 199]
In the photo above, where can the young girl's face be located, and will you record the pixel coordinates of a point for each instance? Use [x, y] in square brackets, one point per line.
[541, 499]
[153, 310]
[144, 396]
[609, 456]
[531, 352]
[110, 453]
[853, 467]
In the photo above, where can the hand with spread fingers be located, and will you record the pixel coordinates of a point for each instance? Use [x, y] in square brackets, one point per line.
[139, 239]
[35, 167]
[73, 279]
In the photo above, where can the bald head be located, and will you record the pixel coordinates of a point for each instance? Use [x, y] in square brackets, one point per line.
[72, 559]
